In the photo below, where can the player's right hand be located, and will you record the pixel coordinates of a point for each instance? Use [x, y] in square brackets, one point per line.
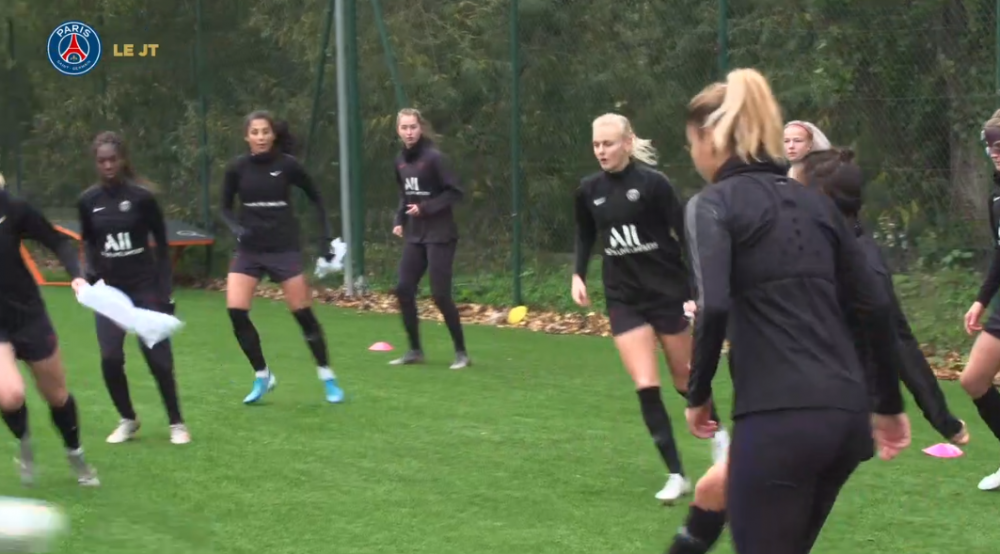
[397, 230]
[891, 433]
[972, 318]
[579, 292]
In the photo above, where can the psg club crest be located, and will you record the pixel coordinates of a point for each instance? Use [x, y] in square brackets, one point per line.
[74, 48]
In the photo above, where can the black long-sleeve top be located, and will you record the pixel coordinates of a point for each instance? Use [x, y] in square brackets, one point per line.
[773, 260]
[639, 221]
[266, 220]
[904, 335]
[20, 298]
[992, 281]
[116, 222]
[425, 178]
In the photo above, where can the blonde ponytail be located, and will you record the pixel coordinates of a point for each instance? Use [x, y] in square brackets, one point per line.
[642, 149]
[743, 114]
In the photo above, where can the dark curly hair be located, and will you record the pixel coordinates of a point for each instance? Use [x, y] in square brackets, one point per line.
[835, 173]
[284, 141]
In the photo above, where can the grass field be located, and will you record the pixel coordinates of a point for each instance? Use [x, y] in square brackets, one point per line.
[538, 449]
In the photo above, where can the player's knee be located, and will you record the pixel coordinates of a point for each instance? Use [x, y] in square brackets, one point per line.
[161, 362]
[710, 491]
[240, 319]
[306, 319]
[972, 384]
[440, 287]
[967, 382]
[645, 377]
[680, 383]
[113, 364]
[12, 395]
[441, 299]
[406, 291]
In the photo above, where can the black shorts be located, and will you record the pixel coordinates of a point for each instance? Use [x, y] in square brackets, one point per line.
[34, 338]
[278, 266]
[993, 324]
[665, 319]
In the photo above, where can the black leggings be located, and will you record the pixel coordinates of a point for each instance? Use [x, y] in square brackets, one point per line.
[793, 463]
[160, 359]
[417, 259]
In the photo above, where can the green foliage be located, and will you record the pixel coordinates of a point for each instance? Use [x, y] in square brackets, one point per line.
[935, 303]
[907, 85]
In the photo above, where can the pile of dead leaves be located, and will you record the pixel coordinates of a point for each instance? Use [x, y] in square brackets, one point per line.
[947, 365]
[546, 322]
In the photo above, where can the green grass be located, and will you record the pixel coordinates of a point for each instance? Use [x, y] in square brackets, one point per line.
[537, 449]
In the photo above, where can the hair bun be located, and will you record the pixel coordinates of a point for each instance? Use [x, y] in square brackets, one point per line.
[846, 155]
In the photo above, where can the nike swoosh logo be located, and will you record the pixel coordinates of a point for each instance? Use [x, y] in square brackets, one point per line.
[97, 210]
[2, 219]
[275, 173]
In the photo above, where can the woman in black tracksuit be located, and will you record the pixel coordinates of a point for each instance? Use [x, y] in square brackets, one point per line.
[834, 173]
[428, 190]
[117, 217]
[772, 262]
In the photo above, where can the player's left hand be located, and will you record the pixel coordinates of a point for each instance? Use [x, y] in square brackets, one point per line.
[700, 422]
[78, 284]
[413, 209]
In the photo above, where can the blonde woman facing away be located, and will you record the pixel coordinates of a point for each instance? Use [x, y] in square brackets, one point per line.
[772, 264]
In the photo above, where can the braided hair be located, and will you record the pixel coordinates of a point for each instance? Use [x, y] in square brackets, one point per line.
[115, 140]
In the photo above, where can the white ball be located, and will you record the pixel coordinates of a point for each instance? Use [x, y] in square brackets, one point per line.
[29, 526]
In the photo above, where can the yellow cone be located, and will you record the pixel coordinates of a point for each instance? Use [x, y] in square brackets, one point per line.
[517, 315]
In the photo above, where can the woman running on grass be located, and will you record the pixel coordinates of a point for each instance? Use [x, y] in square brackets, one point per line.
[26, 334]
[267, 232]
[635, 214]
[984, 359]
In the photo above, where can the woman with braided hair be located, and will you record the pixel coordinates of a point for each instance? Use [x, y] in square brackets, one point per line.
[117, 217]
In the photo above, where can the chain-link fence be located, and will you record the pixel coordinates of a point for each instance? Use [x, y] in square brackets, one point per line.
[907, 84]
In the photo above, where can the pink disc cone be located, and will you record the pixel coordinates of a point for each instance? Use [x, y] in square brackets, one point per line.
[943, 450]
[380, 347]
